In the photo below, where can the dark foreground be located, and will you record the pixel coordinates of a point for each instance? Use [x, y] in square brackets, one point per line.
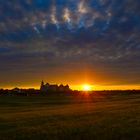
[77, 117]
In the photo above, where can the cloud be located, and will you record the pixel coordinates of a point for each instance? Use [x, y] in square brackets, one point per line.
[46, 34]
[81, 15]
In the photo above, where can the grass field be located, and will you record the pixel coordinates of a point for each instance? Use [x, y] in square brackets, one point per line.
[77, 117]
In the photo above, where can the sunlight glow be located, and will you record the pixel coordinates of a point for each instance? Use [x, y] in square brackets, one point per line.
[86, 87]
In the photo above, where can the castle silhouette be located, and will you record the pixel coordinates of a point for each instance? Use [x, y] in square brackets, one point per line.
[53, 87]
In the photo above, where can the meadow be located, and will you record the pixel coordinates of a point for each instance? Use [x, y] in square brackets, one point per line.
[77, 117]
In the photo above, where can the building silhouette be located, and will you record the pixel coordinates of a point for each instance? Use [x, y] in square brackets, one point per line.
[46, 87]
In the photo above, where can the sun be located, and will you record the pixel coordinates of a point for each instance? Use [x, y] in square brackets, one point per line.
[86, 87]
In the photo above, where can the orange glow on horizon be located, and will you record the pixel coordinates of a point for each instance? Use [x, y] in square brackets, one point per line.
[86, 87]
[106, 87]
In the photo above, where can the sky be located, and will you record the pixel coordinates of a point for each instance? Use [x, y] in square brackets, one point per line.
[70, 42]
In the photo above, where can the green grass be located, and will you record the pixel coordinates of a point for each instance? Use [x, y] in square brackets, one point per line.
[98, 117]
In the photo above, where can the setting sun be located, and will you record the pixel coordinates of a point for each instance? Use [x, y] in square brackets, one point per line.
[86, 87]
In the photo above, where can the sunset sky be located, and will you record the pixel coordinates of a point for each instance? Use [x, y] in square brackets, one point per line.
[73, 42]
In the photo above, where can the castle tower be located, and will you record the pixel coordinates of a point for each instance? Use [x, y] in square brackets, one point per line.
[42, 85]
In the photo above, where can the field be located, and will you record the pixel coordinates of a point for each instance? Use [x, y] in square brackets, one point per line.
[77, 117]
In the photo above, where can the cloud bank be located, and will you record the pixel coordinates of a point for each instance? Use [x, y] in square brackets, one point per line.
[41, 36]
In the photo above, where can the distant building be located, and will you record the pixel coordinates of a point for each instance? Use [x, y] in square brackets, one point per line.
[16, 90]
[53, 88]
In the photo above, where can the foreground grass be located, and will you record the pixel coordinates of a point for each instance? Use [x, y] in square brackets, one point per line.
[70, 117]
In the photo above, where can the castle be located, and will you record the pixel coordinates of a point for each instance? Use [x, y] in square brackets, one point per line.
[53, 88]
